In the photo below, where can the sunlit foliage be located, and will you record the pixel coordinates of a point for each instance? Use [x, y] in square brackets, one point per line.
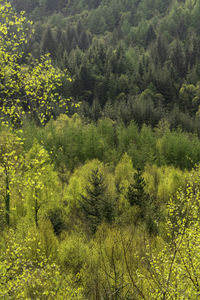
[28, 86]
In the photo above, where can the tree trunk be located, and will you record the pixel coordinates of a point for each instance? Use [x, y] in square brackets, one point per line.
[7, 201]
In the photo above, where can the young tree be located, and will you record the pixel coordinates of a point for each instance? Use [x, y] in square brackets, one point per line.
[41, 182]
[31, 89]
[26, 272]
[136, 193]
[173, 265]
[48, 43]
[148, 210]
[11, 161]
[94, 204]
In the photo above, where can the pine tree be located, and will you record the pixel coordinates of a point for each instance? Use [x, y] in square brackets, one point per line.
[84, 41]
[136, 194]
[48, 43]
[151, 35]
[94, 204]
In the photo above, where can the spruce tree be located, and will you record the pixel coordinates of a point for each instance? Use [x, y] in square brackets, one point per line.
[136, 194]
[48, 43]
[94, 204]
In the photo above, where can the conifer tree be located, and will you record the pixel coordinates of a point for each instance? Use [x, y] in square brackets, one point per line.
[94, 204]
[136, 192]
[148, 209]
[48, 43]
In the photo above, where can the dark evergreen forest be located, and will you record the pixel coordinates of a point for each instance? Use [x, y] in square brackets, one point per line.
[129, 60]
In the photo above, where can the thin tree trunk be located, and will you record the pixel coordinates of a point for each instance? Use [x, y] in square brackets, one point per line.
[7, 201]
[37, 207]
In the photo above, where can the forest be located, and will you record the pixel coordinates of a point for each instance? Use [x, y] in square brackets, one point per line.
[100, 149]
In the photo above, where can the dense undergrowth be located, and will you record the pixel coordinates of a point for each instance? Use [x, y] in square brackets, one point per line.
[101, 225]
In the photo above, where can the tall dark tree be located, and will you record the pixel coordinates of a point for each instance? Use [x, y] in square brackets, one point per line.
[151, 35]
[148, 209]
[95, 205]
[84, 41]
[136, 192]
[48, 43]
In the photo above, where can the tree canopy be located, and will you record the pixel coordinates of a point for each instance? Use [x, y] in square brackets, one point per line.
[99, 201]
[28, 86]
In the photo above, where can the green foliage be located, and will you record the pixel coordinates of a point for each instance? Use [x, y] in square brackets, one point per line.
[57, 218]
[123, 173]
[73, 253]
[143, 241]
[26, 272]
[174, 266]
[77, 220]
[117, 254]
[41, 182]
[115, 50]
[31, 88]
[11, 168]
[136, 194]
[179, 149]
[95, 204]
